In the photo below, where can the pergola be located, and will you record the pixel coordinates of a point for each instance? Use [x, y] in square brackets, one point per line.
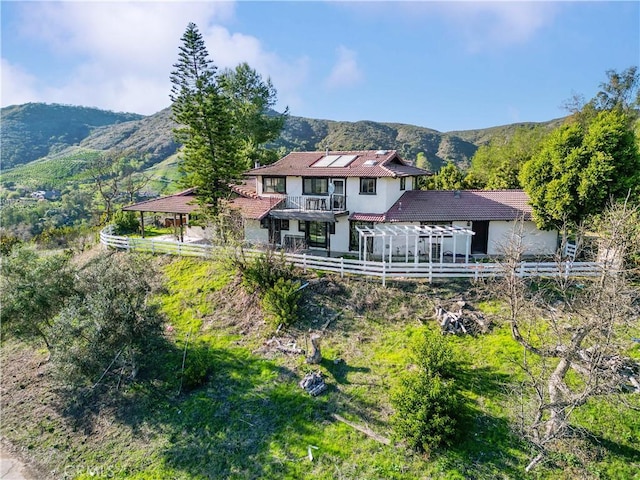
[434, 234]
[178, 204]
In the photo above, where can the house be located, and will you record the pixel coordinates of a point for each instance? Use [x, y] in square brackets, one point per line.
[366, 203]
[309, 199]
[491, 216]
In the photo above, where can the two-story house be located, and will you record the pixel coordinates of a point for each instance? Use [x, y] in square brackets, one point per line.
[366, 203]
[317, 199]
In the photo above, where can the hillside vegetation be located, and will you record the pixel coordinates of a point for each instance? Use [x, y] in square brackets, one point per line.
[247, 418]
[35, 130]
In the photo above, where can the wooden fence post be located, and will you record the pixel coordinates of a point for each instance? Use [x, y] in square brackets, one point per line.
[384, 282]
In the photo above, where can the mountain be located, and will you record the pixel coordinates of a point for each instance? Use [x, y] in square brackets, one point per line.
[35, 130]
[40, 142]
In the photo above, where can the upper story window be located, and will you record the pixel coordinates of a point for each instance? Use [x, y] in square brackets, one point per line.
[403, 183]
[315, 186]
[274, 184]
[368, 186]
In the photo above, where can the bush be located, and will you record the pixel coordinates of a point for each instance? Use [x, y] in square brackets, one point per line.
[8, 242]
[428, 406]
[126, 222]
[262, 273]
[196, 366]
[280, 302]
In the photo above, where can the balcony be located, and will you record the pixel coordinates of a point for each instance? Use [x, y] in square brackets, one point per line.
[326, 203]
[310, 208]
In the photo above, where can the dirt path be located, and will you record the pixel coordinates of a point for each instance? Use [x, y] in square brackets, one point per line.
[12, 468]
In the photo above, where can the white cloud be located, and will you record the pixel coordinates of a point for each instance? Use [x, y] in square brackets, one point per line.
[345, 73]
[228, 49]
[489, 25]
[479, 25]
[122, 52]
[18, 86]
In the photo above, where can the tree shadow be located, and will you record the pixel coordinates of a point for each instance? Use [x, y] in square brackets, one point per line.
[223, 429]
[340, 369]
[614, 448]
[488, 443]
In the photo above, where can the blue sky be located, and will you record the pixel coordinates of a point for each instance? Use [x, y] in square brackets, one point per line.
[441, 65]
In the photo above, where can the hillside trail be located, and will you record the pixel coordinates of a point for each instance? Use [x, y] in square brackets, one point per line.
[12, 468]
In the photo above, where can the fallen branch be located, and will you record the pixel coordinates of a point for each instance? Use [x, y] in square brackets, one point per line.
[364, 429]
[326, 324]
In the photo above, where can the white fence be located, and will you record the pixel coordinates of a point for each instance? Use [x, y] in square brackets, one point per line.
[345, 266]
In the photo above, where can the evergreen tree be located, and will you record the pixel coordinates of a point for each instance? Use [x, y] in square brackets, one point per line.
[255, 123]
[210, 156]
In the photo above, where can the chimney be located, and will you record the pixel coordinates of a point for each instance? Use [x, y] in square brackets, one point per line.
[456, 194]
[256, 164]
[327, 151]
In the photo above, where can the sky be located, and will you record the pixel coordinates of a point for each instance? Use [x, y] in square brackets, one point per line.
[442, 65]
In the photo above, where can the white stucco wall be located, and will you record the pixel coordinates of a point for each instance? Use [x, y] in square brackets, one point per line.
[535, 242]
[253, 233]
[387, 193]
[340, 241]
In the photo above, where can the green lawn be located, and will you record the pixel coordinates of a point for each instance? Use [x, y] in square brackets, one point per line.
[250, 419]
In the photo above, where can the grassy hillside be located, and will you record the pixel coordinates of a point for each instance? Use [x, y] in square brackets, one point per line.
[35, 130]
[251, 420]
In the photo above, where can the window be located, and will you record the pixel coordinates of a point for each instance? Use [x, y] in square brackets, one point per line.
[315, 186]
[403, 183]
[354, 236]
[302, 226]
[274, 184]
[368, 186]
[317, 234]
[332, 228]
[284, 224]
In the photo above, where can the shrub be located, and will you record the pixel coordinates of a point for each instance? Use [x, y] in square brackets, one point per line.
[428, 406]
[125, 222]
[196, 366]
[8, 242]
[262, 273]
[280, 302]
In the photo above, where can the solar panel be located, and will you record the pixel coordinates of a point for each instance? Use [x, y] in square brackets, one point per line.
[326, 161]
[343, 160]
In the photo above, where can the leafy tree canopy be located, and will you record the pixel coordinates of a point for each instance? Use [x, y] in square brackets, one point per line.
[587, 161]
[211, 151]
[254, 121]
[450, 177]
[497, 165]
[226, 119]
[579, 168]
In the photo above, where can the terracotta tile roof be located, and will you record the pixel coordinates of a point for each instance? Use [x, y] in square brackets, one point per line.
[181, 202]
[367, 217]
[448, 205]
[254, 208]
[247, 188]
[367, 163]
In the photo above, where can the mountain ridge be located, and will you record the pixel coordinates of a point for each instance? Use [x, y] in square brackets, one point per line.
[41, 132]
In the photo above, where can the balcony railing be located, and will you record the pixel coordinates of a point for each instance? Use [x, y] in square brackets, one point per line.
[327, 203]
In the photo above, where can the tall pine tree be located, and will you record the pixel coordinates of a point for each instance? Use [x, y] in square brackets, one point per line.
[211, 153]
